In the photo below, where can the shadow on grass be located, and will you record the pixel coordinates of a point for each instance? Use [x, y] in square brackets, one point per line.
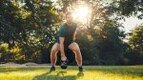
[58, 76]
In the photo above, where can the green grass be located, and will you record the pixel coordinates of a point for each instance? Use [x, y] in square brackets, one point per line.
[90, 73]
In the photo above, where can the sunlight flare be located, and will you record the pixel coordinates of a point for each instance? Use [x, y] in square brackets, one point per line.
[81, 13]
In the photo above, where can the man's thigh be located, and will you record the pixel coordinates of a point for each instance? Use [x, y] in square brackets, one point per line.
[56, 47]
[73, 46]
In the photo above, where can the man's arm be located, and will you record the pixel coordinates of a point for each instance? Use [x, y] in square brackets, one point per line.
[61, 39]
[75, 34]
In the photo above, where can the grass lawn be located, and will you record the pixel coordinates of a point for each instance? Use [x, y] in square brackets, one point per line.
[90, 73]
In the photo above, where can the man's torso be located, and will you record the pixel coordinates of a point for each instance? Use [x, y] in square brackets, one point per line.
[67, 32]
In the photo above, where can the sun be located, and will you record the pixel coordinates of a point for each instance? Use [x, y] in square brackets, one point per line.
[81, 13]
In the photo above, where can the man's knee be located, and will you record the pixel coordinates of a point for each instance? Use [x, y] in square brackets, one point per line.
[75, 49]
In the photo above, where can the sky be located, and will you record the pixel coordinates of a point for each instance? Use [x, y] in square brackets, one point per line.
[130, 23]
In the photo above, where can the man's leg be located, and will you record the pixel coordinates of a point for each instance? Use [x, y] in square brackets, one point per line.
[78, 57]
[53, 55]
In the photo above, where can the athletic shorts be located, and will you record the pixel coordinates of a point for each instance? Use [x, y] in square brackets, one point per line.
[66, 42]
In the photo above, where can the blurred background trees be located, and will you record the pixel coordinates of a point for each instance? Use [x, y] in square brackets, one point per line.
[28, 30]
[29, 25]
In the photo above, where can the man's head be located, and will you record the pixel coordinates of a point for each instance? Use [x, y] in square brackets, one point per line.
[69, 18]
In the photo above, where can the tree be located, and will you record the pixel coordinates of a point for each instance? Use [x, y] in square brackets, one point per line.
[102, 40]
[31, 25]
[128, 7]
[10, 23]
[136, 44]
[34, 24]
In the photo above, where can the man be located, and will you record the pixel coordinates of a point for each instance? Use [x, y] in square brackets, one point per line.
[66, 39]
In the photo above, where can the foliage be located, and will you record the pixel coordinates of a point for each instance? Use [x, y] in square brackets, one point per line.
[105, 45]
[28, 30]
[128, 7]
[136, 44]
[136, 38]
[30, 24]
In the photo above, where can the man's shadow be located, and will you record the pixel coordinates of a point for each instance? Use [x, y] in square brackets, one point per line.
[60, 75]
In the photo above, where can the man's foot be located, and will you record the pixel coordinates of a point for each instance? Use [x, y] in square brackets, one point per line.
[64, 64]
[80, 69]
[52, 69]
[80, 73]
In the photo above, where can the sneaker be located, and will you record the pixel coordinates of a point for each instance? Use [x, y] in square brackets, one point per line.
[80, 69]
[64, 64]
[80, 73]
[52, 69]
